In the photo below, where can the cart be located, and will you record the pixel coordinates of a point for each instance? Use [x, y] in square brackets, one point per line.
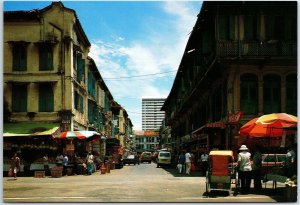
[222, 173]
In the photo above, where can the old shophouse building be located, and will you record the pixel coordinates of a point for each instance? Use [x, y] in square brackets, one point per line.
[50, 83]
[240, 62]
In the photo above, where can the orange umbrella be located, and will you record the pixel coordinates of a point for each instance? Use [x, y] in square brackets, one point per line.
[271, 125]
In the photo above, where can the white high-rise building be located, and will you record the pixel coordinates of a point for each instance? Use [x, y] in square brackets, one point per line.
[152, 116]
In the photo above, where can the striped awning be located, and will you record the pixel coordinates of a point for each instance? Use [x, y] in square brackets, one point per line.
[29, 129]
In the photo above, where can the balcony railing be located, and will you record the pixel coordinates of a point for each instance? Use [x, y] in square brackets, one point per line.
[252, 49]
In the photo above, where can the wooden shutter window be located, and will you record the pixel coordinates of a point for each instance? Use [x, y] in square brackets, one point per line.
[19, 98]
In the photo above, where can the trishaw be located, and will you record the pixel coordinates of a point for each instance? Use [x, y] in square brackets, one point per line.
[221, 173]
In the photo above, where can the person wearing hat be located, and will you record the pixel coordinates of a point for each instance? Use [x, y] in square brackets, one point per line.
[245, 169]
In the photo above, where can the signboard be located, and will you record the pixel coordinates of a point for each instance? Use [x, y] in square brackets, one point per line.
[70, 147]
[234, 118]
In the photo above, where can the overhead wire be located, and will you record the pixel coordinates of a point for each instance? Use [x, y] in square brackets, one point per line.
[138, 76]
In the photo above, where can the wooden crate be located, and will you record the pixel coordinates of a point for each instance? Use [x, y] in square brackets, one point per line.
[56, 171]
[39, 174]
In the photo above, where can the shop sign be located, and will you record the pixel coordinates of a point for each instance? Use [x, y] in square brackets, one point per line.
[234, 117]
[70, 147]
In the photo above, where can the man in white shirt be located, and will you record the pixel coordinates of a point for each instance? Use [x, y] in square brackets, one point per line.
[188, 162]
[204, 163]
[245, 169]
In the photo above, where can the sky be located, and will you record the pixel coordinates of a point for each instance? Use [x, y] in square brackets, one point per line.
[136, 45]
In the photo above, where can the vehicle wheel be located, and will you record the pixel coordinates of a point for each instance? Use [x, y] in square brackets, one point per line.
[149, 162]
[157, 165]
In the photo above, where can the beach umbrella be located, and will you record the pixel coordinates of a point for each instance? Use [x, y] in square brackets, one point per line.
[271, 125]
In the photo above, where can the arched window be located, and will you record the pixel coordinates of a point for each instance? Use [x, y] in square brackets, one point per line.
[272, 94]
[291, 94]
[249, 94]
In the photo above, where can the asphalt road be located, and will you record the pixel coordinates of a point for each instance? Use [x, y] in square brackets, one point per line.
[139, 183]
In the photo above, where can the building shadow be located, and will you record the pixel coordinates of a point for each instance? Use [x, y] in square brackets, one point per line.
[175, 173]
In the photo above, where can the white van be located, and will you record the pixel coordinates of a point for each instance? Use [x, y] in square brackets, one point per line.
[163, 158]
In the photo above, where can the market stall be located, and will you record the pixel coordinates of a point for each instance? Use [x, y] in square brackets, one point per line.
[275, 132]
[77, 144]
[29, 149]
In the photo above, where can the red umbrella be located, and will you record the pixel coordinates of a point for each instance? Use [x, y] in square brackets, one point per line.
[271, 125]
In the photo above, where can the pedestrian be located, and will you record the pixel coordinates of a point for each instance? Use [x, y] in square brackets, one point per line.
[15, 165]
[65, 164]
[290, 162]
[188, 162]
[181, 163]
[204, 162]
[46, 164]
[244, 165]
[75, 163]
[90, 164]
[59, 159]
[256, 168]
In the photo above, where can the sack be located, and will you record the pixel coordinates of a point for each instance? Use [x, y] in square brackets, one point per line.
[10, 173]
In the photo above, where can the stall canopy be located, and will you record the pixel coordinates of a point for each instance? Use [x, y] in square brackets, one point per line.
[82, 134]
[271, 125]
[29, 129]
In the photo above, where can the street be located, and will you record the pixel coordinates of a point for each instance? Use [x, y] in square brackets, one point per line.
[139, 183]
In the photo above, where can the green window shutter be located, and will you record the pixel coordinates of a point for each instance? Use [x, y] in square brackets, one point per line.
[76, 100]
[249, 94]
[19, 98]
[19, 57]
[232, 27]
[45, 57]
[42, 58]
[81, 103]
[290, 29]
[49, 58]
[79, 69]
[23, 59]
[291, 94]
[83, 70]
[91, 84]
[16, 59]
[270, 27]
[258, 30]
[223, 28]
[272, 94]
[46, 98]
[249, 30]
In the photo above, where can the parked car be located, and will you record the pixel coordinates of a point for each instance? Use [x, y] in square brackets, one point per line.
[130, 159]
[273, 163]
[146, 157]
[163, 158]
